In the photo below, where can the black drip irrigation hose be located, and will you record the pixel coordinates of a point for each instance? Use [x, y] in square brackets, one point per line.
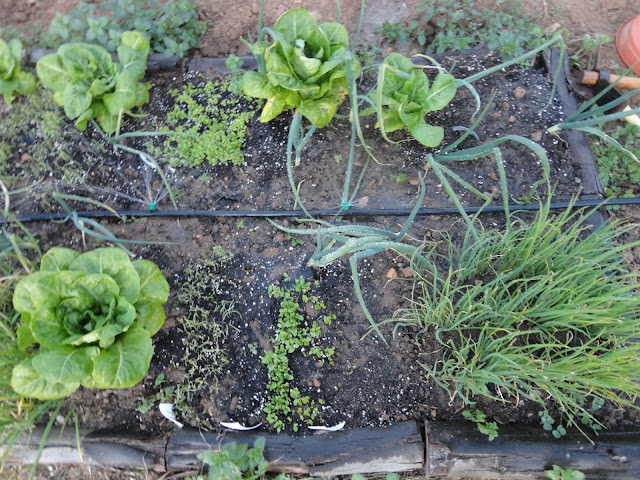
[392, 212]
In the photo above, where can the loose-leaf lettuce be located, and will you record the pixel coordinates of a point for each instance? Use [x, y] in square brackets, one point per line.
[93, 316]
[89, 85]
[403, 97]
[12, 78]
[304, 68]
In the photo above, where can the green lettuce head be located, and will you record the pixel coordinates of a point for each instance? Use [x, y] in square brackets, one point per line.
[93, 315]
[12, 79]
[304, 68]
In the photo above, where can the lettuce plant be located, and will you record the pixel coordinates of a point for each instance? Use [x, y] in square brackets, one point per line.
[93, 315]
[403, 97]
[12, 78]
[304, 68]
[89, 85]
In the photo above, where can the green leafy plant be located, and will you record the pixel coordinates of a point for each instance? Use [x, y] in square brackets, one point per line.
[544, 310]
[618, 172]
[207, 123]
[12, 79]
[461, 24]
[480, 419]
[93, 315]
[172, 27]
[163, 395]
[235, 461]
[403, 97]
[559, 473]
[285, 403]
[302, 68]
[89, 85]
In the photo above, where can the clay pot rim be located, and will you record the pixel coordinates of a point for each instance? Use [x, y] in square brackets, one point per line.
[629, 52]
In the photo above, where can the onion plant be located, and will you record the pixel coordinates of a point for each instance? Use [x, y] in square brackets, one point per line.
[544, 311]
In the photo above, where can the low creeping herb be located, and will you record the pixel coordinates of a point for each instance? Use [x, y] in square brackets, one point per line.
[490, 429]
[285, 404]
[619, 172]
[211, 123]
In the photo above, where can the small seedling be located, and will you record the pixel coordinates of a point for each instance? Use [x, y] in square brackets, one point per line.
[480, 419]
[398, 177]
[559, 473]
[162, 396]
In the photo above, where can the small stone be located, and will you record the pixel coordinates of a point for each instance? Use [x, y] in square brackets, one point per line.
[520, 92]
[391, 274]
[24, 157]
[506, 105]
[577, 180]
[362, 203]
[495, 115]
[407, 272]
[414, 181]
[536, 136]
[613, 5]
[512, 119]
[316, 383]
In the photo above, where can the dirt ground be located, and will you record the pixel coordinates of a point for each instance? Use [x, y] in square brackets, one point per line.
[228, 20]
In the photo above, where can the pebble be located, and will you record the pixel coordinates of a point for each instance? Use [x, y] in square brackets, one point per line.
[391, 273]
[536, 136]
[414, 181]
[512, 119]
[520, 92]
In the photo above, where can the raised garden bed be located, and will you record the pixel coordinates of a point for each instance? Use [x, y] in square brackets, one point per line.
[210, 362]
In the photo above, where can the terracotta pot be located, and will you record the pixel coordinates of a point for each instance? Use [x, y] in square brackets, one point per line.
[628, 43]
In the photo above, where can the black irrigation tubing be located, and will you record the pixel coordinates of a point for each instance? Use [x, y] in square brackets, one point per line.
[391, 212]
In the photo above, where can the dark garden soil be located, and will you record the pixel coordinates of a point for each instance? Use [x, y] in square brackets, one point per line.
[370, 383]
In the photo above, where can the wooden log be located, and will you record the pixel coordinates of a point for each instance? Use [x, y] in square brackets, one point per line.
[524, 452]
[395, 449]
[122, 450]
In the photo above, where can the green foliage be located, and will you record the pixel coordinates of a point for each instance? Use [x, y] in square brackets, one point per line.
[236, 461]
[285, 403]
[211, 122]
[303, 68]
[542, 311]
[93, 316]
[403, 97]
[559, 473]
[618, 172]
[12, 79]
[480, 419]
[460, 24]
[164, 393]
[205, 327]
[89, 85]
[171, 27]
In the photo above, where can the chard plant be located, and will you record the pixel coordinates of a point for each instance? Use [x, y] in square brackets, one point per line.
[302, 68]
[403, 97]
[12, 79]
[92, 316]
[89, 85]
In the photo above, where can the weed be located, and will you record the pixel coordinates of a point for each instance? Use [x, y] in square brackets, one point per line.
[460, 24]
[285, 403]
[480, 419]
[558, 473]
[172, 27]
[618, 172]
[211, 123]
[235, 462]
[398, 177]
[240, 224]
[163, 395]
[205, 327]
[294, 239]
